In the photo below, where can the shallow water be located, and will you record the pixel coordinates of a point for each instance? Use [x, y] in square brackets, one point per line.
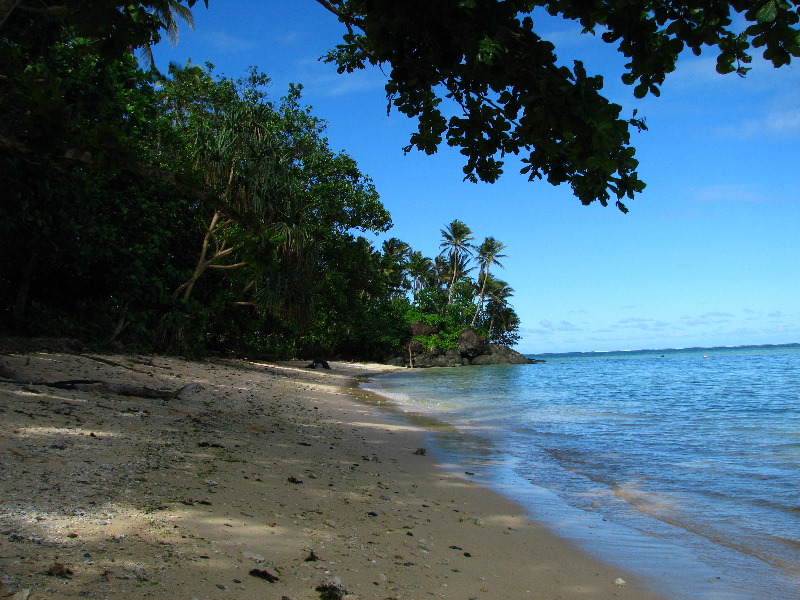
[683, 465]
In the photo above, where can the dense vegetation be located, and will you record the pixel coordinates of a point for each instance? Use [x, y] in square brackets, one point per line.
[189, 212]
[218, 219]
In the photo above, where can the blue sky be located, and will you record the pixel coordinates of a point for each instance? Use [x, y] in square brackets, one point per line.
[708, 254]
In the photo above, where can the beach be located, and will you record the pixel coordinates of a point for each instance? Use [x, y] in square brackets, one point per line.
[257, 480]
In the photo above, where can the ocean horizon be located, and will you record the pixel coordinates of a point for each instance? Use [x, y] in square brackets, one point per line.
[681, 465]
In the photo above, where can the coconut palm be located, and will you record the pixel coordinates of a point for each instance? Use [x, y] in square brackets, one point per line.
[395, 253]
[498, 292]
[421, 271]
[456, 246]
[168, 12]
[488, 253]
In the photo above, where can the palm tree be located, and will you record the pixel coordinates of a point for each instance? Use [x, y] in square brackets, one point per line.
[168, 12]
[488, 253]
[498, 292]
[421, 271]
[456, 246]
[395, 253]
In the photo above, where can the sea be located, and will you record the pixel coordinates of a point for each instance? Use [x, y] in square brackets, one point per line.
[681, 466]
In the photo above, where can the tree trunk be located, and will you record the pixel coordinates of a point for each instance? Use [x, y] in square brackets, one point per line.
[21, 301]
[483, 293]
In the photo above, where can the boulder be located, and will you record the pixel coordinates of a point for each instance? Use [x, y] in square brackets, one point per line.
[396, 361]
[419, 328]
[471, 344]
[501, 355]
[436, 357]
[416, 347]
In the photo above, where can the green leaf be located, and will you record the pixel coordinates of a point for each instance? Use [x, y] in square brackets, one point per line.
[768, 12]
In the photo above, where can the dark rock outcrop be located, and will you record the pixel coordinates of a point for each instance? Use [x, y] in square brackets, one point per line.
[419, 328]
[501, 355]
[471, 344]
[435, 357]
[416, 347]
[473, 349]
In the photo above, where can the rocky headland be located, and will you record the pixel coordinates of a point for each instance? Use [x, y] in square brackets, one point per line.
[471, 348]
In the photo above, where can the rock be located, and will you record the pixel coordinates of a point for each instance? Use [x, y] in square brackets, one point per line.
[318, 362]
[416, 347]
[265, 575]
[60, 570]
[500, 355]
[435, 358]
[473, 349]
[471, 344]
[419, 328]
[396, 361]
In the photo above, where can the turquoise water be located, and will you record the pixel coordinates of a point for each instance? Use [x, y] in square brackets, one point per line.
[681, 465]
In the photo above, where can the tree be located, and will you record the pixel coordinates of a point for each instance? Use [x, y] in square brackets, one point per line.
[456, 238]
[510, 95]
[503, 321]
[488, 253]
[422, 272]
[168, 13]
[474, 73]
[395, 255]
[283, 212]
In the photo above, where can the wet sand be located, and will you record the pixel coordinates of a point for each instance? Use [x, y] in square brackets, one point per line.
[260, 480]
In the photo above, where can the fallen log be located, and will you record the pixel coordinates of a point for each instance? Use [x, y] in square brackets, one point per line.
[17, 375]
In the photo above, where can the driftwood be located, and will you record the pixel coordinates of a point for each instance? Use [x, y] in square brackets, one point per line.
[318, 361]
[122, 389]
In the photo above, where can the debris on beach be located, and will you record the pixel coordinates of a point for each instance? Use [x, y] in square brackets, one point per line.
[60, 570]
[265, 575]
[331, 590]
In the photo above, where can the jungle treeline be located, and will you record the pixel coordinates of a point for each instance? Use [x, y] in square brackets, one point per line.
[186, 212]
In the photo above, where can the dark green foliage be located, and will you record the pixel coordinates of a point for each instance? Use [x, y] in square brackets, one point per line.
[192, 213]
[476, 75]
[224, 226]
[442, 294]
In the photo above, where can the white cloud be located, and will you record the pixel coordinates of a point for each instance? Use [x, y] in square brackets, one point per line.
[223, 41]
[710, 318]
[348, 83]
[782, 123]
[561, 326]
[321, 78]
[743, 192]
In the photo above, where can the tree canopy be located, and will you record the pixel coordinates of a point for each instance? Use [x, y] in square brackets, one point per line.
[193, 212]
[512, 97]
[475, 74]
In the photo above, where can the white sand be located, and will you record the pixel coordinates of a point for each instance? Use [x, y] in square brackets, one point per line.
[106, 496]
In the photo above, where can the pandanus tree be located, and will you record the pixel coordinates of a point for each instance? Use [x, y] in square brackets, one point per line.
[242, 164]
[488, 253]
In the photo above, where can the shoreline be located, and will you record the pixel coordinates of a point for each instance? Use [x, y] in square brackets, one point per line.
[259, 469]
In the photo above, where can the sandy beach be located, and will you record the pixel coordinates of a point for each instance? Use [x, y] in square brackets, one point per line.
[258, 480]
